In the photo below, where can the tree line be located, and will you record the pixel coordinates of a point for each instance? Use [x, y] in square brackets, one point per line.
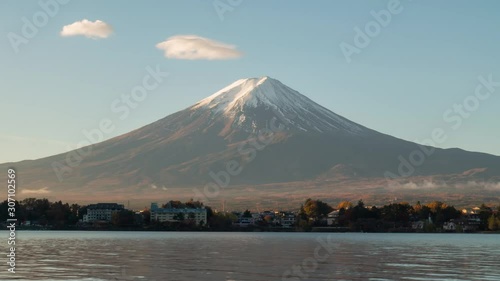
[59, 215]
[312, 213]
[393, 216]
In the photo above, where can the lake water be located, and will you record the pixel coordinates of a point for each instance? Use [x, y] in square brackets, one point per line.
[189, 256]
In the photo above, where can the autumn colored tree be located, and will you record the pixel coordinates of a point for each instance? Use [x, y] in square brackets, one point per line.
[314, 210]
[493, 223]
[344, 205]
[434, 206]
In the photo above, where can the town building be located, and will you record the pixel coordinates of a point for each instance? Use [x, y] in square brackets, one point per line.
[450, 226]
[169, 214]
[418, 225]
[244, 222]
[333, 218]
[101, 212]
[287, 220]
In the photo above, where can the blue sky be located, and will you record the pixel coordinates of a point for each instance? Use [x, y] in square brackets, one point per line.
[425, 60]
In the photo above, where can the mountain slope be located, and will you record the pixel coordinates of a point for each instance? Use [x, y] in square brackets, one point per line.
[269, 131]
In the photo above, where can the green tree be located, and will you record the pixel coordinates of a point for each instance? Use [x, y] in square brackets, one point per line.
[360, 212]
[123, 218]
[484, 214]
[193, 204]
[146, 216]
[397, 213]
[4, 215]
[446, 214]
[222, 221]
[422, 212]
[36, 209]
[82, 211]
[174, 204]
[59, 214]
[247, 214]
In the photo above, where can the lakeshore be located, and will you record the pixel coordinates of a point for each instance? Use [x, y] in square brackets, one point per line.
[311, 216]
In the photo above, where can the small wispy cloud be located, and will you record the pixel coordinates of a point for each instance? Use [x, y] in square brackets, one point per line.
[193, 47]
[491, 186]
[44, 190]
[96, 29]
[154, 186]
[429, 185]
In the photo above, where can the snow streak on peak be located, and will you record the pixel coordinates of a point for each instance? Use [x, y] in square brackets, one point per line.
[241, 91]
[255, 95]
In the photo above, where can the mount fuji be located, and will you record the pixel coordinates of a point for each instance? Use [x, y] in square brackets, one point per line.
[266, 136]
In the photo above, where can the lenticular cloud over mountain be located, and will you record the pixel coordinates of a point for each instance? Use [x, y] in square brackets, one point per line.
[193, 47]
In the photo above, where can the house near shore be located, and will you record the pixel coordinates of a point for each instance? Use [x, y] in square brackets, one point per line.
[450, 226]
[333, 218]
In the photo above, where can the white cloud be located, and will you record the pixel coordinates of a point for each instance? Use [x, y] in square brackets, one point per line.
[429, 185]
[193, 47]
[89, 29]
[424, 185]
[44, 190]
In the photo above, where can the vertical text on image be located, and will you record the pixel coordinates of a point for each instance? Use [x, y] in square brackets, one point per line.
[11, 221]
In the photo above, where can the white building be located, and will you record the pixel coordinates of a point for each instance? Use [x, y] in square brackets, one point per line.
[198, 215]
[450, 226]
[101, 211]
[244, 222]
[333, 217]
[418, 225]
[287, 220]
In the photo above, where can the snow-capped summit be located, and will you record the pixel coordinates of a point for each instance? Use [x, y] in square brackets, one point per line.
[242, 92]
[249, 101]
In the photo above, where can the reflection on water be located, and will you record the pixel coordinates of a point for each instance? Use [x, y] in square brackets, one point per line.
[47, 255]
